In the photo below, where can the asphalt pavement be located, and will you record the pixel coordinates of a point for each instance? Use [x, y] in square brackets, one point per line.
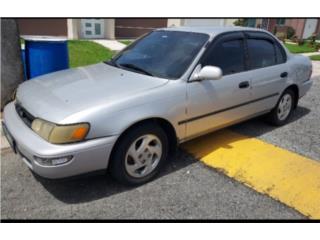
[186, 189]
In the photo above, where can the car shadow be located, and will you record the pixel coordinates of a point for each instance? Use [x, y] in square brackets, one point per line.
[101, 185]
[258, 126]
[90, 188]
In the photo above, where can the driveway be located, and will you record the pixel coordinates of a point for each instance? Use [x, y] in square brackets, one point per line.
[186, 189]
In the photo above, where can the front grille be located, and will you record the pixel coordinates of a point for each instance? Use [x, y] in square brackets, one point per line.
[26, 117]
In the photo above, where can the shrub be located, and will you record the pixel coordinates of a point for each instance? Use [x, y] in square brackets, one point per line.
[281, 36]
[300, 42]
[290, 32]
[240, 22]
[294, 38]
[313, 38]
[312, 41]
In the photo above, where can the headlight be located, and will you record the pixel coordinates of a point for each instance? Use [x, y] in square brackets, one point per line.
[54, 133]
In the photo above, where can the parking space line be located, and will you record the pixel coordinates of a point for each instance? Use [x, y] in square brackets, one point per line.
[283, 175]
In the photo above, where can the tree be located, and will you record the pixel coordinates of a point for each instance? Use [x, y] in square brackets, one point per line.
[11, 64]
[241, 22]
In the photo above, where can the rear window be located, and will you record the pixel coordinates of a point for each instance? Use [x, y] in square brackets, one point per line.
[261, 53]
[280, 55]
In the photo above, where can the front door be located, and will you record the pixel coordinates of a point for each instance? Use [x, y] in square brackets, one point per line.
[92, 28]
[216, 103]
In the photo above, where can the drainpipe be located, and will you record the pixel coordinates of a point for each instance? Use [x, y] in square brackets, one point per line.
[303, 27]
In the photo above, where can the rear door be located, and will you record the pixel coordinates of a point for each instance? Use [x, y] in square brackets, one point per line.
[267, 69]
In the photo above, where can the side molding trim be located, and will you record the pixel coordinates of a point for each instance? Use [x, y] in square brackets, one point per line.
[226, 109]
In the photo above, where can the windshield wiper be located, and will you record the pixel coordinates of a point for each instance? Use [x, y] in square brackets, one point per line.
[111, 62]
[134, 67]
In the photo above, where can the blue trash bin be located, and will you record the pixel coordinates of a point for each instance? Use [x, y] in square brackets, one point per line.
[45, 55]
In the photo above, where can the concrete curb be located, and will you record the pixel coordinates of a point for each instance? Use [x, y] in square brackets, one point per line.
[311, 54]
[4, 142]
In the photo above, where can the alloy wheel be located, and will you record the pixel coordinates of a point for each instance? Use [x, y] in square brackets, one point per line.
[284, 107]
[143, 156]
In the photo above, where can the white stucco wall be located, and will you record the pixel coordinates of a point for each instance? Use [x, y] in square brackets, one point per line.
[109, 28]
[72, 25]
[174, 22]
[207, 22]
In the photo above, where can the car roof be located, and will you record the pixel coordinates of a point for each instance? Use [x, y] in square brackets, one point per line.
[212, 31]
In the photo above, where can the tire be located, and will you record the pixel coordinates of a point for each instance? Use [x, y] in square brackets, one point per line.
[275, 117]
[131, 163]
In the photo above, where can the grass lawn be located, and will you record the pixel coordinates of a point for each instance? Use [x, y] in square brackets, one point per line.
[126, 42]
[83, 53]
[294, 48]
[315, 57]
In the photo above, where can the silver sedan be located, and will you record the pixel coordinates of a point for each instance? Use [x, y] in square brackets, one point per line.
[174, 84]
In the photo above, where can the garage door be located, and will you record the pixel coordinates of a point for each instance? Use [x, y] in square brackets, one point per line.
[133, 28]
[43, 26]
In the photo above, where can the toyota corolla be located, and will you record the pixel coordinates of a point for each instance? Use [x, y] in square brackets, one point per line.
[174, 84]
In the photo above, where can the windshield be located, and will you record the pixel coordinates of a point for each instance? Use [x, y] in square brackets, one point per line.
[165, 54]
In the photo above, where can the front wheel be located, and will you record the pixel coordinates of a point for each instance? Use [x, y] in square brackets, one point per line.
[139, 154]
[283, 110]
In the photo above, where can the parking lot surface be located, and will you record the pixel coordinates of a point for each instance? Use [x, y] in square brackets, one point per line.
[186, 188]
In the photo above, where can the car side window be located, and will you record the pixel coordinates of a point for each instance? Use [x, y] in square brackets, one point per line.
[280, 54]
[261, 53]
[228, 55]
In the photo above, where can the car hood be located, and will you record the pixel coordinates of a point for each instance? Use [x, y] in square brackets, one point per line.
[58, 95]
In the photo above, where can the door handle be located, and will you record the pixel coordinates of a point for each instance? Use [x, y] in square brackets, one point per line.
[244, 84]
[284, 74]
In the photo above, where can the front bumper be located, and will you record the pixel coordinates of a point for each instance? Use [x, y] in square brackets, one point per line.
[88, 156]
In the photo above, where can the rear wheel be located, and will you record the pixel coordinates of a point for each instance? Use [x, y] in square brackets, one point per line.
[139, 154]
[283, 110]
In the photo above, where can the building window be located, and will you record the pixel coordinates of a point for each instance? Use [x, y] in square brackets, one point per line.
[281, 21]
[250, 22]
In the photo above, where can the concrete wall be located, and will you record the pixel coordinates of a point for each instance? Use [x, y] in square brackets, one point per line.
[318, 27]
[11, 65]
[174, 22]
[201, 22]
[272, 25]
[297, 24]
[229, 21]
[109, 28]
[310, 27]
[135, 27]
[74, 28]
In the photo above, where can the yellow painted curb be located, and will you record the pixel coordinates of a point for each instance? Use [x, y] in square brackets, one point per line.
[279, 173]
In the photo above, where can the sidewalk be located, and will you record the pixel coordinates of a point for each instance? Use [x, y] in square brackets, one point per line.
[113, 45]
[310, 54]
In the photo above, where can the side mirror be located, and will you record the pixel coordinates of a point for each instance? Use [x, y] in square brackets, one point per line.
[208, 73]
